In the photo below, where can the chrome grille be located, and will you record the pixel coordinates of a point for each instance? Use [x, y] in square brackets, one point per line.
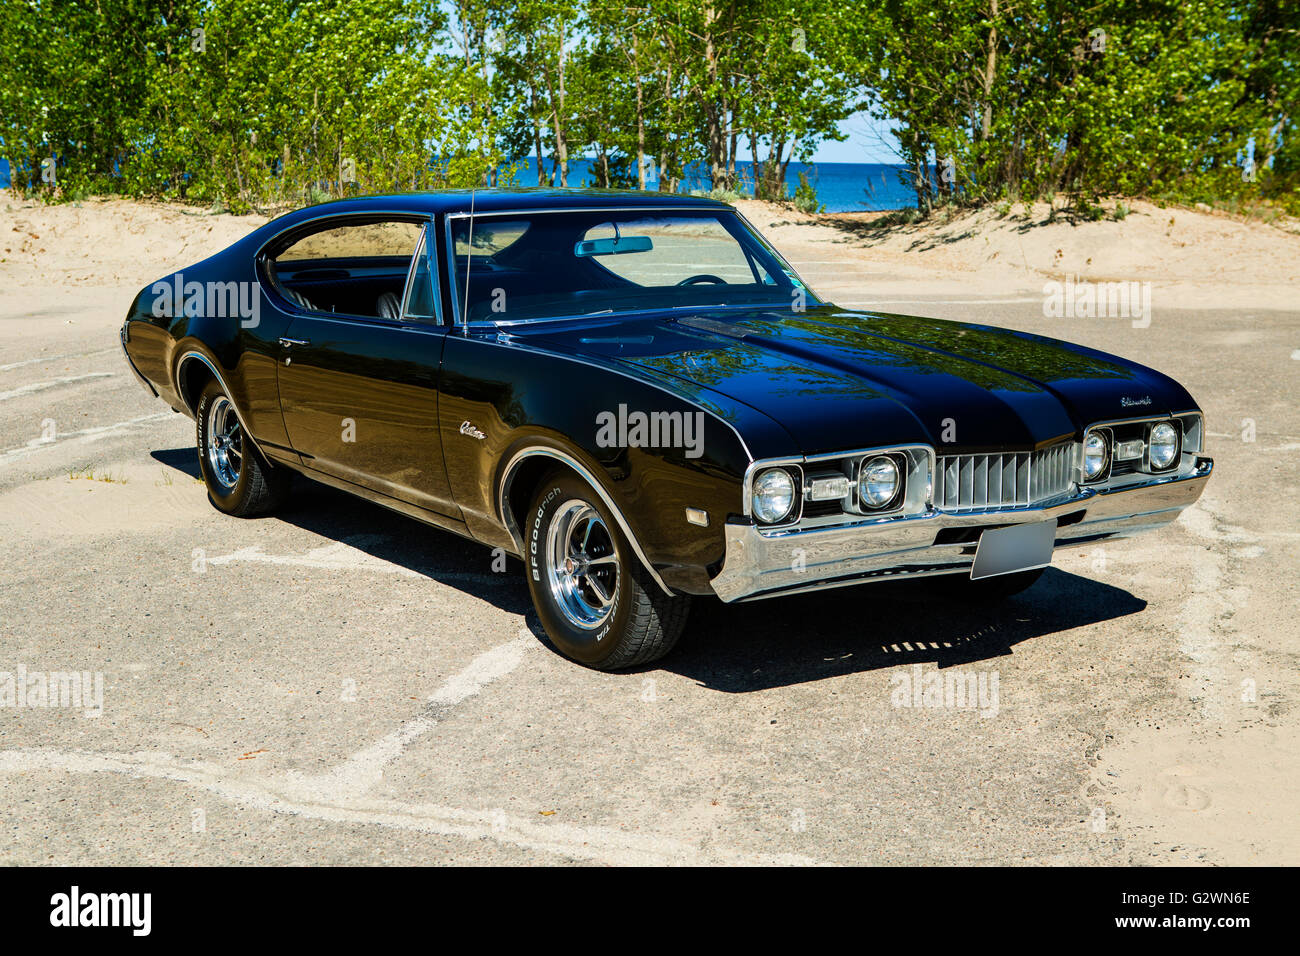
[1010, 480]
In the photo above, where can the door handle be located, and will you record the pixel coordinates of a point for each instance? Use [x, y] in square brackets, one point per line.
[287, 343]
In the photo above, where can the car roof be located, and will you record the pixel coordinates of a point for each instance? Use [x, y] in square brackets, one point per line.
[434, 201]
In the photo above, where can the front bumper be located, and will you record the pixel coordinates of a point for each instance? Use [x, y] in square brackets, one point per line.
[767, 564]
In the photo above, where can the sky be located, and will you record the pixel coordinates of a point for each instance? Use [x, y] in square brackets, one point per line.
[869, 141]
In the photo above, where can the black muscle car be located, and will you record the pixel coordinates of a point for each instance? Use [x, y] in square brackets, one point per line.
[637, 396]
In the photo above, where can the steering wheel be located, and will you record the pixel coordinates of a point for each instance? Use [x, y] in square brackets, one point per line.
[703, 277]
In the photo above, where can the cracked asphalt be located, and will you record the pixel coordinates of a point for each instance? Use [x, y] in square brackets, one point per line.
[338, 684]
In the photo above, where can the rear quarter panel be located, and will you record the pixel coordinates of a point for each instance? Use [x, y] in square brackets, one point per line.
[165, 322]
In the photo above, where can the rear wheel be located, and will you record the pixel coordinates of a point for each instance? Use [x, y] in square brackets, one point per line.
[598, 604]
[239, 481]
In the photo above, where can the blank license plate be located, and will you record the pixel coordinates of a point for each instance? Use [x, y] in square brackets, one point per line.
[1020, 547]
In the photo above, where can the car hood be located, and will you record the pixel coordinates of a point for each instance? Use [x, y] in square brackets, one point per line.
[839, 380]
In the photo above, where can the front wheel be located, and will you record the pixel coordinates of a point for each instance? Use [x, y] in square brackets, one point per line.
[239, 481]
[598, 604]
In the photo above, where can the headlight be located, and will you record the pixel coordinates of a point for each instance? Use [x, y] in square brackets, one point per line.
[1095, 455]
[1162, 446]
[773, 497]
[878, 482]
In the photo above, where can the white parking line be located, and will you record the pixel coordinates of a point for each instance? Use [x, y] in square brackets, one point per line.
[349, 554]
[602, 844]
[365, 768]
[83, 435]
[52, 358]
[341, 795]
[339, 556]
[52, 383]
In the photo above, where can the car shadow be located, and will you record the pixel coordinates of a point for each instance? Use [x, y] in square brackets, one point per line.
[794, 640]
[735, 648]
[374, 530]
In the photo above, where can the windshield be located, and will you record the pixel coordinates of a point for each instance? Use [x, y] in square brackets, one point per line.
[523, 266]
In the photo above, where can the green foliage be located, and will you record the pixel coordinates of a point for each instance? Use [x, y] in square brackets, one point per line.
[805, 196]
[1037, 97]
[249, 103]
[718, 193]
[253, 104]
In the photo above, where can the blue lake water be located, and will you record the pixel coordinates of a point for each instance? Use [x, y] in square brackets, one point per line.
[841, 187]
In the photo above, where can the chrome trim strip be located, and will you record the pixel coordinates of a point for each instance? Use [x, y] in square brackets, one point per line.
[423, 217]
[790, 270]
[544, 451]
[410, 271]
[651, 207]
[1144, 418]
[176, 382]
[268, 288]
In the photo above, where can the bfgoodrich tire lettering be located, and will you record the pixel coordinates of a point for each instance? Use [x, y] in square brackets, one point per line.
[596, 601]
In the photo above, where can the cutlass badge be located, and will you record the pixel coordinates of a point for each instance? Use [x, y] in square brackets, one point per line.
[467, 429]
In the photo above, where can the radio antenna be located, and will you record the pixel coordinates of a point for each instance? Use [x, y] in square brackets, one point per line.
[469, 259]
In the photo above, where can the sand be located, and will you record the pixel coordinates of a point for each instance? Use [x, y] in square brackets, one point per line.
[1185, 772]
[1193, 259]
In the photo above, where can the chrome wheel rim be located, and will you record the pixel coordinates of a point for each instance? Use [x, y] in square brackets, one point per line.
[582, 565]
[225, 442]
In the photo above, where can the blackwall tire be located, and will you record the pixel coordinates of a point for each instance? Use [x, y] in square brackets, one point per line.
[240, 482]
[596, 601]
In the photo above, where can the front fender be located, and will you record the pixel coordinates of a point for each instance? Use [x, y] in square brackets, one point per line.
[505, 410]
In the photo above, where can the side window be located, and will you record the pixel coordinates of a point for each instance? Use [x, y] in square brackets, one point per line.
[357, 268]
[419, 296]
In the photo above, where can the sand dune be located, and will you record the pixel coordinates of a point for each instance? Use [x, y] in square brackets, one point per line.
[1193, 259]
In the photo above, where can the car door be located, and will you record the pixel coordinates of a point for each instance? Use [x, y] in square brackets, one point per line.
[359, 392]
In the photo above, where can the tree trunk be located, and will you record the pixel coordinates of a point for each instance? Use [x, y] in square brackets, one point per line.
[714, 111]
[640, 116]
[783, 164]
[731, 150]
[561, 146]
[537, 131]
[990, 68]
